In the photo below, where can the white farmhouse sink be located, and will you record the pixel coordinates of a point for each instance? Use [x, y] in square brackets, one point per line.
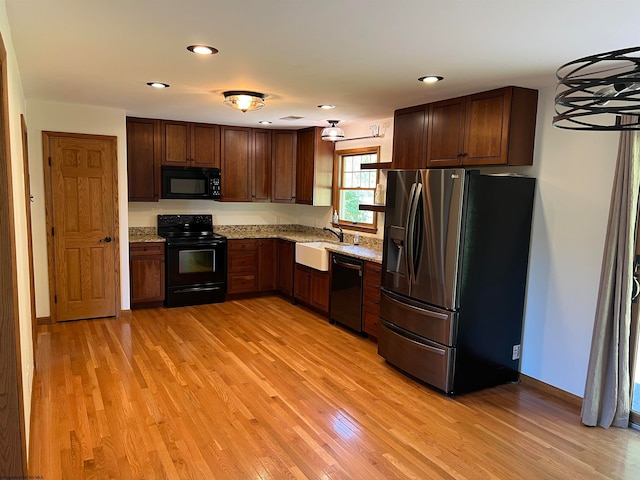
[313, 254]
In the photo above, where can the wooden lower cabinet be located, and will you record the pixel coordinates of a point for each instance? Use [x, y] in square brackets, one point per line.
[242, 265]
[284, 270]
[312, 287]
[371, 298]
[267, 263]
[146, 270]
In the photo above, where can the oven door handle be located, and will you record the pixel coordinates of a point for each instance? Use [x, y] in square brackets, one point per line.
[197, 289]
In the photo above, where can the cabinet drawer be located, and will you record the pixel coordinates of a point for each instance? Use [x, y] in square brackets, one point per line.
[146, 248]
[243, 262]
[370, 321]
[238, 283]
[372, 271]
[242, 245]
[371, 295]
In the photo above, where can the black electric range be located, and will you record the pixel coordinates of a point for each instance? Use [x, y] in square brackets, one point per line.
[196, 260]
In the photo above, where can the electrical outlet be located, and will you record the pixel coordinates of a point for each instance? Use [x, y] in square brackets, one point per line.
[515, 352]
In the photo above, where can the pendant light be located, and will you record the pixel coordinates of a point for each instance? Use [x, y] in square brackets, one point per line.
[594, 91]
[244, 100]
[332, 133]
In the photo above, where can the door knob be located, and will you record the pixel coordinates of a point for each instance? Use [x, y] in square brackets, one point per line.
[105, 239]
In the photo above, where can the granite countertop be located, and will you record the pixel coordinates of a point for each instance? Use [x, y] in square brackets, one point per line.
[144, 235]
[369, 249]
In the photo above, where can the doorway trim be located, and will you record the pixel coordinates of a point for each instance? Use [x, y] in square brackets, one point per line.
[13, 440]
[48, 190]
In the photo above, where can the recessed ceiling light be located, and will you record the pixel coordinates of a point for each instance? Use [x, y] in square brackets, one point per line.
[202, 49]
[266, 122]
[326, 107]
[430, 79]
[158, 85]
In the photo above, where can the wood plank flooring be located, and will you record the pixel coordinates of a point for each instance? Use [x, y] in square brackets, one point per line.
[262, 389]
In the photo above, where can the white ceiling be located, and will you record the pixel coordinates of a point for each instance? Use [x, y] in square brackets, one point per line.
[364, 56]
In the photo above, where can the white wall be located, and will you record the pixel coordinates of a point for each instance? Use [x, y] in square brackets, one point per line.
[575, 176]
[61, 117]
[17, 107]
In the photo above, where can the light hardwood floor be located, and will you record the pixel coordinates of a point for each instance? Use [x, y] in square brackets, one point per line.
[262, 389]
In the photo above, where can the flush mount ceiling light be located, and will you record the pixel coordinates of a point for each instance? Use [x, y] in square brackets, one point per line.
[333, 133]
[202, 49]
[158, 85]
[594, 91]
[244, 100]
[326, 106]
[431, 79]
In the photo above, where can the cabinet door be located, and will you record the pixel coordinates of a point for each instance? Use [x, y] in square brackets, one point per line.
[487, 127]
[267, 261]
[205, 145]
[304, 166]
[370, 321]
[284, 276]
[284, 166]
[445, 145]
[261, 166]
[143, 159]
[320, 285]
[409, 137]
[147, 273]
[302, 283]
[177, 143]
[235, 153]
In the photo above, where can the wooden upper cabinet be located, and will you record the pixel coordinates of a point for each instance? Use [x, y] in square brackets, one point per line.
[500, 127]
[409, 137]
[446, 133]
[261, 166]
[284, 166]
[190, 144]
[205, 145]
[143, 159]
[236, 147]
[314, 168]
[489, 128]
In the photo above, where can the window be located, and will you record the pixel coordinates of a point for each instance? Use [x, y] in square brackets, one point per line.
[354, 186]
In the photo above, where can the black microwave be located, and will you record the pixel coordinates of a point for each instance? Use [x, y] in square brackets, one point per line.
[191, 183]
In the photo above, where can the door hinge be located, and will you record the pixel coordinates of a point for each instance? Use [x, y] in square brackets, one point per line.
[55, 299]
[52, 234]
[49, 161]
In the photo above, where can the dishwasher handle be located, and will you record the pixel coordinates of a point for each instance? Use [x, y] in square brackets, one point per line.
[350, 266]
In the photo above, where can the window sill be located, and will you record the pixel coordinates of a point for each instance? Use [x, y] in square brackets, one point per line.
[356, 227]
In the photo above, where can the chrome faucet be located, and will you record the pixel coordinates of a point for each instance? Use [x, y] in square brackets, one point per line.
[339, 235]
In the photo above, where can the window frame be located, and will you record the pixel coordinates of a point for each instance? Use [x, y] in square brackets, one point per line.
[337, 187]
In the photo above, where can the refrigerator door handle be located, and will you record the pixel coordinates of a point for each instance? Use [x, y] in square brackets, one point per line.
[408, 233]
[412, 219]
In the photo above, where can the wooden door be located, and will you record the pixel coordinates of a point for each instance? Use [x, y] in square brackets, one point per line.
[82, 211]
[261, 166]
[487, 127]
[143, 159]
[409, 137]
[177, 143]
[205, 145]
[304, 166]
[284, 166]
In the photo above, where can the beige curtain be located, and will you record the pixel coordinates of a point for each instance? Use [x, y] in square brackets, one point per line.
[607, 395]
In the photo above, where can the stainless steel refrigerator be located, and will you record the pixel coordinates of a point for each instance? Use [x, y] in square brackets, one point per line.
[455, 261]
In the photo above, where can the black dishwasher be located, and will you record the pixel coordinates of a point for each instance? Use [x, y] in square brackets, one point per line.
[346, 291]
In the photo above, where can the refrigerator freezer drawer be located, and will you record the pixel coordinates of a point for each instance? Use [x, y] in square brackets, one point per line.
[433, 364]
[426, 321]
